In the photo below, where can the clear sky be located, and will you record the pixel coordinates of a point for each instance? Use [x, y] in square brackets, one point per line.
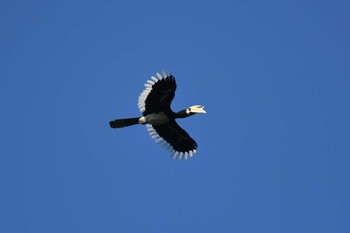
[274, 146]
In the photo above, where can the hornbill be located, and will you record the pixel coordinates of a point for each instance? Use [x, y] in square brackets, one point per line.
[154, 104]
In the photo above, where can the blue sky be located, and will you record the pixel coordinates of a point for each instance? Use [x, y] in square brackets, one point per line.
[274, 146]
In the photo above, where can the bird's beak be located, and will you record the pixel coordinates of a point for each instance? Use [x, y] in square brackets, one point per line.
[198, 109]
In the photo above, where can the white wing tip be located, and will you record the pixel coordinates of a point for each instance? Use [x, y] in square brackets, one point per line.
[183, 155]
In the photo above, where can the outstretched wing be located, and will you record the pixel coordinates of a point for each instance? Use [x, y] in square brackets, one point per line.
[174, 138]
[158, 94]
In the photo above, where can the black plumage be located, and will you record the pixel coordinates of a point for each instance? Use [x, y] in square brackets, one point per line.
[155, 106]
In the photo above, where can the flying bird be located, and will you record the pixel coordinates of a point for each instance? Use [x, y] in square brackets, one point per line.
[154, 104]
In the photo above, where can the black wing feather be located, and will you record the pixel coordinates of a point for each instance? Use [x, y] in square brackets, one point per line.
[161, 95]
[177, 137]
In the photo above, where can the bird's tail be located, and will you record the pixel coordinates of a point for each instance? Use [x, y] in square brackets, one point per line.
[119, 123]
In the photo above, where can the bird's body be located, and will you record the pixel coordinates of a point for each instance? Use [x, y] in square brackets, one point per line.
[158, 118]
[154, 104]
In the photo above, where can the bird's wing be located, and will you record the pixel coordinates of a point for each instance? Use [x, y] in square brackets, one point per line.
[172, 136]
[158, 94]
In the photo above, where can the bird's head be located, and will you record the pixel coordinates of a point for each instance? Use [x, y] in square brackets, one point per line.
[195, 109]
